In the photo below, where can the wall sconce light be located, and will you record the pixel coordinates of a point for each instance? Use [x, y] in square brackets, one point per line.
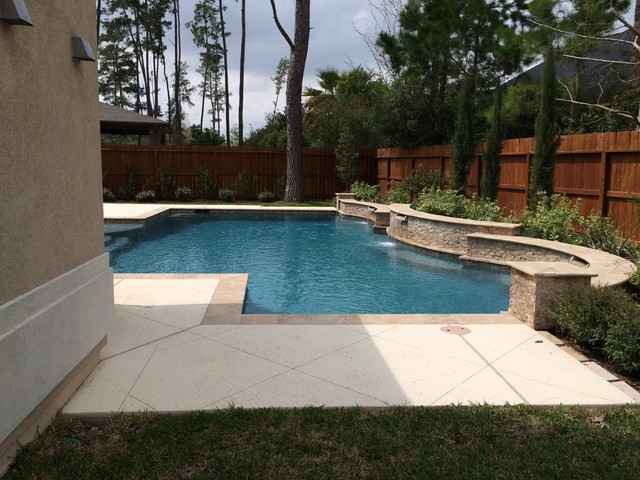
[14, 12]
[82, 50]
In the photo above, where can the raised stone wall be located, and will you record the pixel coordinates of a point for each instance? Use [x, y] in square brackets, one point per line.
[359, 210]
[532, 291]
[440, 233]
[480, 247]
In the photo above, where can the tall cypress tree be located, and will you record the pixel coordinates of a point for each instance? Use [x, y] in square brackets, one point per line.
[546, 137]
[491, 157]
[464, 139]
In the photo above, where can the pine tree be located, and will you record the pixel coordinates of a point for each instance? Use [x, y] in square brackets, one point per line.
[464, 139]
[491, 157]
[546, 137]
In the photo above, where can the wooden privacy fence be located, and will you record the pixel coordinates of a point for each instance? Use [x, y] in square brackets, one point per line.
[603, 169]
[266, 166]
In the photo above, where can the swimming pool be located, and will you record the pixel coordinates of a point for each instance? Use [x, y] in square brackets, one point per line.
[308, 263]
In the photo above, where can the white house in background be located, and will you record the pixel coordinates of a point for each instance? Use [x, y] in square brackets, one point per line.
[56, 287]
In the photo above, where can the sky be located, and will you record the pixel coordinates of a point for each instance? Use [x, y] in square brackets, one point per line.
[334, 42]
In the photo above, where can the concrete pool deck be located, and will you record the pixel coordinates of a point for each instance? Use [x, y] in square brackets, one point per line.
[179, 343]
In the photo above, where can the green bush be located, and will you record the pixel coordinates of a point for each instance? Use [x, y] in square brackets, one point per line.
[244, 183]
[164, 184]
[207, 183]
[128, 188]
[395, 194]
[622, 344]
[146, 196]
[107, 195]
[365, 192]
[555, 218]
[266, 196]
[441, 202]
[227, 195]
[183, 194]
[604, 318]
[414, 184]
[282, 184]
[450, 204]
[634, 278]
[585, 313]
[601, 233]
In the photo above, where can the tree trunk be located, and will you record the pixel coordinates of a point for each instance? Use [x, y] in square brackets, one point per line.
[226, 75]
[293, 190]
[177, 56]
[241, 88]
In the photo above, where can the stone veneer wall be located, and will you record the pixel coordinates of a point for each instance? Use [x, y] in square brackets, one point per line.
[56, 287]
[530, 295]
[360, 210]
[440, 233]
[500, 251]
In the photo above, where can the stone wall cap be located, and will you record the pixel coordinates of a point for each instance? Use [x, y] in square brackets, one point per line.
[405, 209]
[551, 269]
[379, 207]
[610, 269]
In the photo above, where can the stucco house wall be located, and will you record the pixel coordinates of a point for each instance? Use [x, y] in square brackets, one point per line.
[56, 287]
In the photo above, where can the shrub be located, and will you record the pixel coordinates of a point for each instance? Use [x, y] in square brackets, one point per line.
[554, 218]
[478, 208]
[622, 344]
[601, 233]
[604, 318]
[128, 188]
[441, 202]
[395, 194]
[227, 195]
[415, 183]
[634, 278]
[346, 158]
[450, 204]
[365, 192]
[585, 313]
[282, 184]
[243, 184]
[146, 196]
[107, 195]
[164, 184]
[183, 194]
[207, 183]
[266, 196]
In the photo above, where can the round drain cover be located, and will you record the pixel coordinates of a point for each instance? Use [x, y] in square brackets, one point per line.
[455, 330]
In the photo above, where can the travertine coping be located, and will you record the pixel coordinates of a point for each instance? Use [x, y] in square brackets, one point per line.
[551, 269]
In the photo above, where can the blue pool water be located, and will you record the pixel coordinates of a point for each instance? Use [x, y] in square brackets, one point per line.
[308, 263]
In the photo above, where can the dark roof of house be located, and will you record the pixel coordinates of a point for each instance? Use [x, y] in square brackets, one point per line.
[116, 120]
[592, 72]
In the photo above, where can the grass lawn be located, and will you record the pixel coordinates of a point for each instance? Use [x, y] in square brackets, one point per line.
[448, 442]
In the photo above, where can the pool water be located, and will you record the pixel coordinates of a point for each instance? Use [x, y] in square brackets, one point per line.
[308, 263]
